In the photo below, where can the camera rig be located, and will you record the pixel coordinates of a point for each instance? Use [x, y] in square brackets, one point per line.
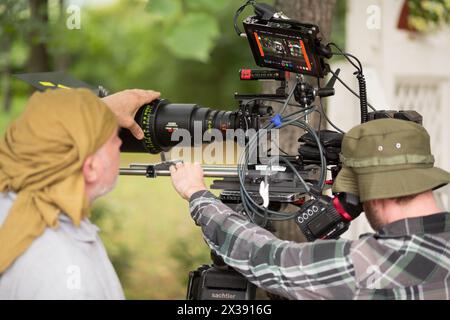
[286, 49]
[283, 46]
[260, 190]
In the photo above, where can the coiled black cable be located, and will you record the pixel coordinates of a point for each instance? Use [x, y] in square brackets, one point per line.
[363, 97]
[361, 81]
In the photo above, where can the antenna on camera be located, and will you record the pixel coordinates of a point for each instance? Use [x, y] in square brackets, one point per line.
[328, 90]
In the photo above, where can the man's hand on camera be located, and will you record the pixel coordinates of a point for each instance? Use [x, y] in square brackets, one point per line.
[126, 103]
[187, 178]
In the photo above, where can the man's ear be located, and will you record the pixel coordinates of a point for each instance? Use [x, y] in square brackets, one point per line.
[89, 169]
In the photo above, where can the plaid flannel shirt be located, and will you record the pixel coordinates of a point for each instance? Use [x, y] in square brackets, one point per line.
[407, 259]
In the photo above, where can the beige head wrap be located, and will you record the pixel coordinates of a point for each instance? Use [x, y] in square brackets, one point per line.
[41, 157]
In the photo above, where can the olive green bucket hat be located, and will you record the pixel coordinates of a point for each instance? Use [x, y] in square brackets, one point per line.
[388, 158]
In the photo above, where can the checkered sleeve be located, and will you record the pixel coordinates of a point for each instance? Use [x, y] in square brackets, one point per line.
[318, 270]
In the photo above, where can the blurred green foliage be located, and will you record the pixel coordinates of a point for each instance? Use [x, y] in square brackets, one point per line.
[428, 15]
[163, 45]
[17, 107]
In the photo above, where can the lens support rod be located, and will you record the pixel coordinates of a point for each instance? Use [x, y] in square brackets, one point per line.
[162, 169]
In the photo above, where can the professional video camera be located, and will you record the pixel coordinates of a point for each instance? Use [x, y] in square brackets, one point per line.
[285, 46]
[261, 189]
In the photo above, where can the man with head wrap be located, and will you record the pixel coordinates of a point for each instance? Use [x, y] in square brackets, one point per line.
[58, 157]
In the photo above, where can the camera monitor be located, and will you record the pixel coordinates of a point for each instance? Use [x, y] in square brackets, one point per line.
[288, 46]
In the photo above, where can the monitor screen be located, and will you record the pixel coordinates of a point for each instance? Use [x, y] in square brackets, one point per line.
[289, 50]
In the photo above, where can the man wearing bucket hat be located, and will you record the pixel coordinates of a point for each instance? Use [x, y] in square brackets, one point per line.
[389, 164]
[389, 159]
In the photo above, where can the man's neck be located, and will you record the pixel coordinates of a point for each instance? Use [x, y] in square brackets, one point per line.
[423, 204]
[90, 193]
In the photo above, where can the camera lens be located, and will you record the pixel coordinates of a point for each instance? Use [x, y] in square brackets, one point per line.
[160, 119]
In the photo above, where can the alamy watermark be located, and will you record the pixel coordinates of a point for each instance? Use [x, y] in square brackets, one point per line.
[373, 21]
[73, 21]
[73, 281]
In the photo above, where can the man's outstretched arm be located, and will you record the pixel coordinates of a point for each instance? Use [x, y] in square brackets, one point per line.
[298, 271]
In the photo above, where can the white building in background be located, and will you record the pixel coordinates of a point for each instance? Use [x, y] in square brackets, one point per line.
[403, 71]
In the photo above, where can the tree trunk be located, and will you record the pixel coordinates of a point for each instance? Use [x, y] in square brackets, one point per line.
[310, 11]
[38, 59]
[306, 11]
[321, 14]
[61, 61]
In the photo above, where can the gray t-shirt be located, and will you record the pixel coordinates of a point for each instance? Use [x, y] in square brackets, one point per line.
[63, 263]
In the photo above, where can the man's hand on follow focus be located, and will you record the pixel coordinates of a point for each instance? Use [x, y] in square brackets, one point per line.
[126, 103]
